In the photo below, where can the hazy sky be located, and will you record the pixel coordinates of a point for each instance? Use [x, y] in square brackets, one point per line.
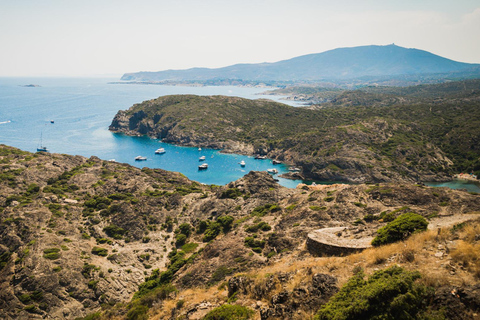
[111, 37]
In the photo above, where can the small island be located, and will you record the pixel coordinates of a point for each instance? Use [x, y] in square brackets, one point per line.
[30, 86]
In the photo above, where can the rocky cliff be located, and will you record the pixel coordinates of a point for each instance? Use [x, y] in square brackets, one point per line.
[364, 142]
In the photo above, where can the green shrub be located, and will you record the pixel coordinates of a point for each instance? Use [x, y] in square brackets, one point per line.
[400, 228]
[259, 226]
[226, 222]
[230, 312]
[231, 193]
[51, 253]
[251, 242]
[185, 228]
[180, 239]
[212, 231]
[202, 226]
[4, 258]
[102, 252]
[388, 294]
[92, 316]
[138, 312]
[189, 247]
[263, 210]
[114, 231]
[370, 217]
[220, 274]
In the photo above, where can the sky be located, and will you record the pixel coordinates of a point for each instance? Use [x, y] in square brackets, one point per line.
[112, 37]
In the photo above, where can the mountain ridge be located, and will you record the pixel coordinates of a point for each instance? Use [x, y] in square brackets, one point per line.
[336, 64]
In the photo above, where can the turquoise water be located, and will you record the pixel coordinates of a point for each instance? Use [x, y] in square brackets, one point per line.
[456, 184]
[82, 110]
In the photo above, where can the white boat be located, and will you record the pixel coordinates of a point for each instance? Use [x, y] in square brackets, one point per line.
[293, 169]
[203, 166]
[242, 163]
[259, 157]
[41, 147]
[52, 121]
[272, 171]
[201, 158]
[276, 162]
[140, 158]
[199, 149]
[160, 151]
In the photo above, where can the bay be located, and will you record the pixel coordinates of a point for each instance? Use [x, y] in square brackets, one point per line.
[457, 184]
[82, 109]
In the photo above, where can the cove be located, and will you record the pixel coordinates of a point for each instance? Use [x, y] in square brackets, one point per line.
[222, 167]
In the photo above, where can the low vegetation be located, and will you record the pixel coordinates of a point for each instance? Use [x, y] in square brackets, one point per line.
[229, 312]
[400, 229]
[392, 293]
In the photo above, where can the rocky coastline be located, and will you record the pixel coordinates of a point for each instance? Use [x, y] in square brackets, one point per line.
[348, 163]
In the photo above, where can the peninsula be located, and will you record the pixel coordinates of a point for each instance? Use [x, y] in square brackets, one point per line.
[383, 135]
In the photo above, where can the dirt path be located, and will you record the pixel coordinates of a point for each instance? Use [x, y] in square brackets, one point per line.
[448, 221]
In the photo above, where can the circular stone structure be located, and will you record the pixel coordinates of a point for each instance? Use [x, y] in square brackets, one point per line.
[337, 241]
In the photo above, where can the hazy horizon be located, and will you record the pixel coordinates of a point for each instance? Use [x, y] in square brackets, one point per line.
[109, 38]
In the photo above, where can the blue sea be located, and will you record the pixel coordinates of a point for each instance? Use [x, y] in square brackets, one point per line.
[83, 108]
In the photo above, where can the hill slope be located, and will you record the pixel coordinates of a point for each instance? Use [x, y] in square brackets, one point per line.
[357, 138]
[342, 63]
[82, 235]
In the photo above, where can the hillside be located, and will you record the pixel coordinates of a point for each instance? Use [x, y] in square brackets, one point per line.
[337, 64]
[85, 236]
[357, 137]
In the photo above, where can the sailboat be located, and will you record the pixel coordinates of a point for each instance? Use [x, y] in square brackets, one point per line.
[41, 148]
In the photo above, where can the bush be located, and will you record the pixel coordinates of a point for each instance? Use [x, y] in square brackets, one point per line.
[229, 312]
[226, 223]
[387, 294]
[259, 226]
[263, 210]
[400, 229]
[102, 252]
[138, 312]
[51, 253]
[180, 239]
[114, 231]
[220, 274]
[251, 242]
[231, 193]
[189, 247]
[212, 231]
[202, 226]
[185, 228]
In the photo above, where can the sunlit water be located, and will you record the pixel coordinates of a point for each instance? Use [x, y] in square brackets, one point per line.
[457, 184]
[82, 110]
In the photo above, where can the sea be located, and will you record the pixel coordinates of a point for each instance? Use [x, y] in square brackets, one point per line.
[72, 115]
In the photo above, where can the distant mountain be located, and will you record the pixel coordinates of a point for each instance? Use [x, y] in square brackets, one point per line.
[337, 64]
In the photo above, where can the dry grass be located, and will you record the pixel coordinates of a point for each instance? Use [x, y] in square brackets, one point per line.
[460, 266]
[191, 297]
